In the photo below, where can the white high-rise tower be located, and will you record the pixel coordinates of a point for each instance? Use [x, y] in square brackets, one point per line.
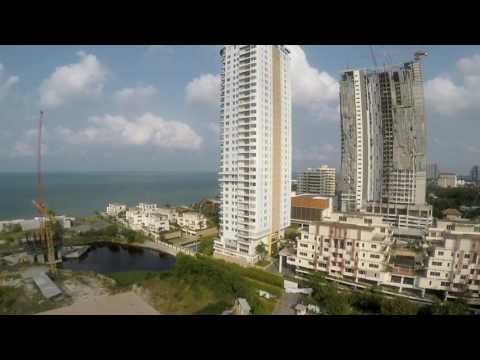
[256, 149]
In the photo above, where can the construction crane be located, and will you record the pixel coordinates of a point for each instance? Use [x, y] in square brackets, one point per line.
[47, 219]
[419, 54]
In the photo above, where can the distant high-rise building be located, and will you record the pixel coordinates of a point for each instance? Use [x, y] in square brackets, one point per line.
[256, 147]
[432, 171]
[474, 174]
[447, 180]
[318, 181]
[383, 136]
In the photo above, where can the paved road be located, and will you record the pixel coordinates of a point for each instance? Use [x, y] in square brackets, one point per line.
[286, 304]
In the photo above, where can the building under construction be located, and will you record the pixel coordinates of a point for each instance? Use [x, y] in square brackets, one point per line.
[383, 138]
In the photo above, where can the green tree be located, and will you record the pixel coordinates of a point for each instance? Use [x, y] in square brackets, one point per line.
[291, 233]
[456, 307]
[367, 300]
[398, 306]
[206, 246]
[261, 250]
[111, 231]
[338, 305]
[16, 228]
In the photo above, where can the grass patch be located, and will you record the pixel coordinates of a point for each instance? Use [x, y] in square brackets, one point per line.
[15, 301]
[263, 263]
[203, 285]
[125, 279]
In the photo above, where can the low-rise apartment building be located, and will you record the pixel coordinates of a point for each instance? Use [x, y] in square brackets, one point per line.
[114, 209]
[191, 222]
[147, 207]
[409, 216]
[362, 248]
[350, 246]
[170, 213]
[148, 221]
[154, 224]
[453, 262]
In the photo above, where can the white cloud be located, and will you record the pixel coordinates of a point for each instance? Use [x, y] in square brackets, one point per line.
[147, 129]
[473, 149]
[446, 97]
[27, 145]
[136, 95]
[7, 84]
[312, 89]
[204, 90]
[85, 78]
[469, 66]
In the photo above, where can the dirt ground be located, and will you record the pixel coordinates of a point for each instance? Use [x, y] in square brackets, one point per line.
[83, 287]
[127, 303]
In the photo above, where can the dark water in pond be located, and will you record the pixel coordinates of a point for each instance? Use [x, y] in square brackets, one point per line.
[110, 258]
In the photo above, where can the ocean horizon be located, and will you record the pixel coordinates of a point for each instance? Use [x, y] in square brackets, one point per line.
[81, 193]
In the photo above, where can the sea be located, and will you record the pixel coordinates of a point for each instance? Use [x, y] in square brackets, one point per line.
[81, 194]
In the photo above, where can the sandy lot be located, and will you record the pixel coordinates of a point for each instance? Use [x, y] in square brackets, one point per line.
[121, 304]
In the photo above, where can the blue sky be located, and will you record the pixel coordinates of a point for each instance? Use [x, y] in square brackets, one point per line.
[156, 108]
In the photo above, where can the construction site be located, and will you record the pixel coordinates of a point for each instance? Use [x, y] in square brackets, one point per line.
[33, 281]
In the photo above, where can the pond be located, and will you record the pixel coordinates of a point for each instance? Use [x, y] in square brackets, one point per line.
[106, 258]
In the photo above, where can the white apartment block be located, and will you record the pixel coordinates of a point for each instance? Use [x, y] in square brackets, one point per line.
[134, 218]
[453, 262]
[360, 248]
[192, 222]
[154, 223]
[171, 213]
[348, 246]
[447, 180]
[256, 149]
[319, 181]
[148, 221]
[114, 209]
[147, 207]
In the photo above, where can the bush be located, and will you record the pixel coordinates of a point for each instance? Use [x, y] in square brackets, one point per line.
[398, 306]
[227, 281]
[368, 300]
[132, 277]
[456, 307]
[206, 247]
[8, 296]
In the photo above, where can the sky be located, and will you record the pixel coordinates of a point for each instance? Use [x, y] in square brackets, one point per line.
[156, 108]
